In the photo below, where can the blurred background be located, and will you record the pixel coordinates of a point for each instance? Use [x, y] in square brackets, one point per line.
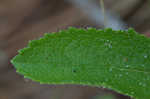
[24, 20]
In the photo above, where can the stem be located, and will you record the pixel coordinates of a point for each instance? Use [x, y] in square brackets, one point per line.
[103, 12]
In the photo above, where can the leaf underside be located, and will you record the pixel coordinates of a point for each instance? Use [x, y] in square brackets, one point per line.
[118, 60]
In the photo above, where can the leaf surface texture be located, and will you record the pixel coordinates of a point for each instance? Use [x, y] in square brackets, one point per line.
[118, 60]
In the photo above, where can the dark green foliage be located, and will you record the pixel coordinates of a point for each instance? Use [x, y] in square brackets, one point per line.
[118, 60]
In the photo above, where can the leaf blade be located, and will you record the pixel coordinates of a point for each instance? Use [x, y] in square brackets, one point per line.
[118, 60]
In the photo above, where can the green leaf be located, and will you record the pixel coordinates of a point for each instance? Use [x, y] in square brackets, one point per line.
[118, 60]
